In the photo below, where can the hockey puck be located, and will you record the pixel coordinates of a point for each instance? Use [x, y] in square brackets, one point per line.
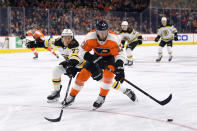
[169, 120]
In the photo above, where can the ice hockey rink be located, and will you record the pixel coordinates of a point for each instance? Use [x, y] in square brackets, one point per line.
[25, 84]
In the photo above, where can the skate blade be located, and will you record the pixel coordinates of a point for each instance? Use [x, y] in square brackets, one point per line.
[94, 108]
[169, 60]
[136, 100]
[53, 101]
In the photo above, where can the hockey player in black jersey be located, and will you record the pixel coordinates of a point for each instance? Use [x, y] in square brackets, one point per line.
[129, 39]
[167, 33]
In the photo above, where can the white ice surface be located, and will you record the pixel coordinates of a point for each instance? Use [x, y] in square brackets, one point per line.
[25, 84]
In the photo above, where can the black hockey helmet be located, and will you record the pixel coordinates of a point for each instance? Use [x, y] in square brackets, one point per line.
[101, 25]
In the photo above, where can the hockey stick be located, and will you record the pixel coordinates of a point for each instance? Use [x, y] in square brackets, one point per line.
[164, 102]
[62, 109]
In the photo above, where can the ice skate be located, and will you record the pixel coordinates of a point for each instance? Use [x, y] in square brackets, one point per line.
[130, 94]
[129, 63]
[170, 58]
[159, 58]
[54, 96]
[70, 99]
[35, 57]
[57, 56]
[98, 103]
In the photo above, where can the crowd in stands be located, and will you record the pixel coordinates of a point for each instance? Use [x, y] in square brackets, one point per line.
[106, 5]
[52, 16]
[174, 4]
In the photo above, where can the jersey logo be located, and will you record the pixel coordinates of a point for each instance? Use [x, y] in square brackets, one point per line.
[102, 50]
[165, 32]
[83, 45]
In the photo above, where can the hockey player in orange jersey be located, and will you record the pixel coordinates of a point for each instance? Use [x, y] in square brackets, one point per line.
[107, 58]
[38, 43]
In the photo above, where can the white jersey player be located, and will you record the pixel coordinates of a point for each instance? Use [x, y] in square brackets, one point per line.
[72, 64]
[167, 33]
[132, 38]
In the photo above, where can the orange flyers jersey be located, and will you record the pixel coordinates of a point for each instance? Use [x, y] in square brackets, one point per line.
[38, 35]
[103, 48]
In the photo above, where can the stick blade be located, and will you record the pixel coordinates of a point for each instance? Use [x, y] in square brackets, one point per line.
[166, 101]
[55, 120]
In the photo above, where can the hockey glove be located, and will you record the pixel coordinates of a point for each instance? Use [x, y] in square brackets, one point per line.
[157, 38]
[175, 37]
[119, 72]
[91, 58]
[123, 43]
[64, 64]
[88, 57]
[97, 74]
[72, 71]
[22, 36]
[139, 40]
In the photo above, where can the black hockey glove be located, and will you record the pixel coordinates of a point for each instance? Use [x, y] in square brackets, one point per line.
[139, 40]
[157, 38]
[119, 71]
[175, 37]
[64, 64]
[123, 42]
[88, 57]
[22, 36]
[97, 74]
[72, 71]
[91, 58]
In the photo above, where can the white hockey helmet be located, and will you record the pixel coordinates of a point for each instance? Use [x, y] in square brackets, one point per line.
[163, 19]
[124, 23]
[67, 32]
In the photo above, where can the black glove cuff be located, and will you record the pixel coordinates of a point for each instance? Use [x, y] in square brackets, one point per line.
[119, 63]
